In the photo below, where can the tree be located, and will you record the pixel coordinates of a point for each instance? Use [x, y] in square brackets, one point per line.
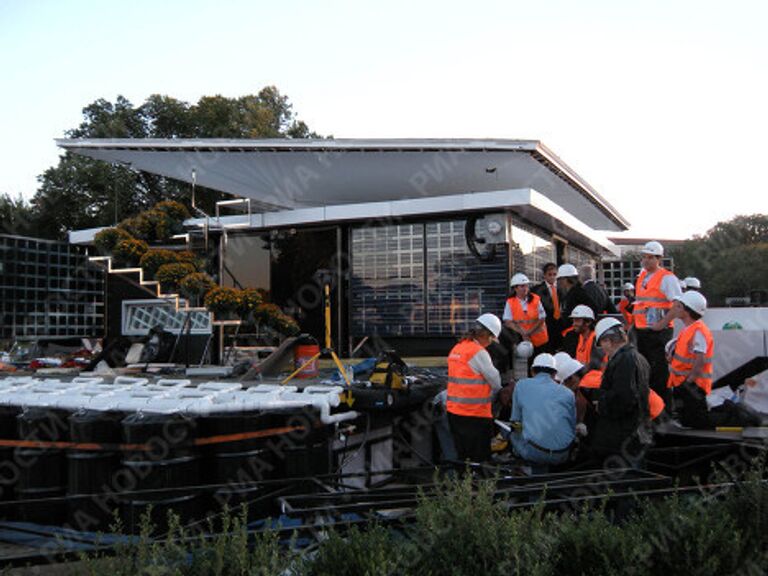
[80, 192]
[731, 259]
[16, 216]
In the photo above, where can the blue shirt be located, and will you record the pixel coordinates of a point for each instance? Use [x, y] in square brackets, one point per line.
[547, 411]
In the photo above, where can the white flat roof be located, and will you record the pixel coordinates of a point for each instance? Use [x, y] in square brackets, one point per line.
[298, 174]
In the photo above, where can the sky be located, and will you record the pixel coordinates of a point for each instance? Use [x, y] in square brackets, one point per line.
[661, 106]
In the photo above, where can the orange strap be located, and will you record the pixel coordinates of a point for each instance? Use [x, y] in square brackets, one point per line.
[93, 446]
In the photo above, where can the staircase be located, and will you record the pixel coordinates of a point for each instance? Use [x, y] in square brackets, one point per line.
[192, 240]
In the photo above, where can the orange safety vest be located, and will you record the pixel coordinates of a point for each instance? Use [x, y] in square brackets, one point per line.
[584, 348]
[591, 379]
[682, 358]
[655, 404]
[594, 378]
[526, 319]
[623, 305]
[468, 392]
[650, 297]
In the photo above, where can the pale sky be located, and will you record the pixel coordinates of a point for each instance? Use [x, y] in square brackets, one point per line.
[660, 106]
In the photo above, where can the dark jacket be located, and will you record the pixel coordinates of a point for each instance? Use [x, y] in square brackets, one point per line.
[554, 327]
[623, 421]
[598, 294]
[575, 296]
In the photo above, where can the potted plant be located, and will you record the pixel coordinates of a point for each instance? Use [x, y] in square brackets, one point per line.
[128, 252]
[250, 300]
[195, 286]
[106, 240]
[171, 275]
[154, 259]
[223, 302]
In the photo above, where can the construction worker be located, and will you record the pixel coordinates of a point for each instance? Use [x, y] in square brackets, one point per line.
[655, 290]
[573, 292]
[690, 283]
[524, 313]
[473, 383]
[545, 413]
[626, 304]
[596, 292]
[586, 352]
[690, 360]
[622, 427]
[550, 299]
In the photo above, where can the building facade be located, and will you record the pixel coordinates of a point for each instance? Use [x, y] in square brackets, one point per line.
[48, 289]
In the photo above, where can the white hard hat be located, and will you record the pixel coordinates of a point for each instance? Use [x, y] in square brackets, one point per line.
[491, 322]
[567, 271]
[518, 279]
[628, 286]
[561, 357]
[568, 368]
[694, 300]
[692, 282]
[544, 360]
[653, 248]
[524, 349]
[583, 311]
[604, 325]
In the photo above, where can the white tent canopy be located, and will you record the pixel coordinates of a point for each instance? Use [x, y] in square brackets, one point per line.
[297, 174]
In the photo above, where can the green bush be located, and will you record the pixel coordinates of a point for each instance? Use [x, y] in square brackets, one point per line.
[370, 552]
[588, 543]
[129, 252]
[463, 531]
[171, 275]
[154, 259]
[107, 239]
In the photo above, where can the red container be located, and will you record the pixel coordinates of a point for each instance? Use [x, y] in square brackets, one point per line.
[302, 353]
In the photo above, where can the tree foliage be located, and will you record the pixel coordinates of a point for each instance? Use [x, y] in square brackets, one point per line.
[16, 216]
[80, 192]
[731, 259]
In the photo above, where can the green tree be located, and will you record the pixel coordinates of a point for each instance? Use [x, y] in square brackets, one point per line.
[81, 192]
[16, 216]
[731, 259]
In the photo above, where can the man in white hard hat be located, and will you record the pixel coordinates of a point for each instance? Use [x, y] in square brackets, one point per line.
[691, 283]
[473, 383]
[544, 413]
[622, 428]
[550, 299]
[655, 291]
[586, 351]
[690, 361]
[572, 290]
[627, 303]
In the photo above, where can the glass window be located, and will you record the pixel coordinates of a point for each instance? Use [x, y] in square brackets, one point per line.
[530, 250]
[394, 291]
[460, 287]
[387, 280]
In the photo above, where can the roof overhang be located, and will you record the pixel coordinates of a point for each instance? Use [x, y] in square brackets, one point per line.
[279, 175]
[529, 204]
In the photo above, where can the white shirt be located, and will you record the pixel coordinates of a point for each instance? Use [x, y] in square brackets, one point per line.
[524, 303]
[670, 286]
[482, 364]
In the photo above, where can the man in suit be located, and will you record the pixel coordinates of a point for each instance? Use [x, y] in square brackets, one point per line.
[550, 299]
